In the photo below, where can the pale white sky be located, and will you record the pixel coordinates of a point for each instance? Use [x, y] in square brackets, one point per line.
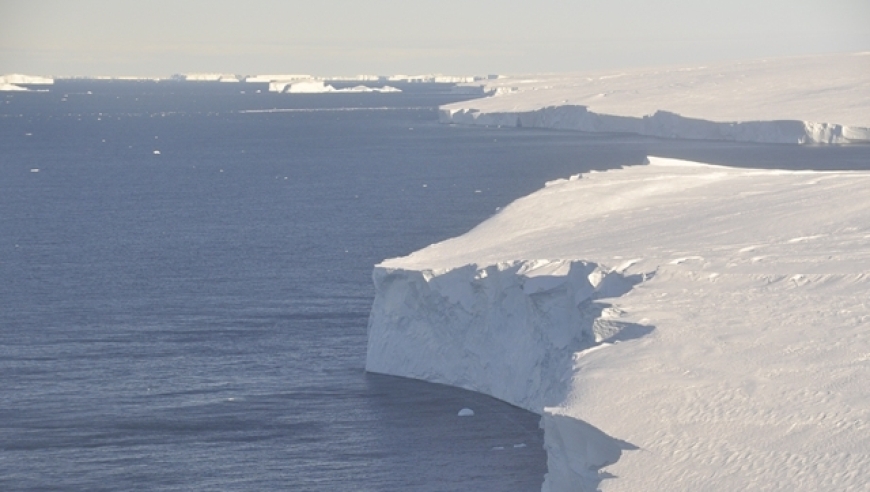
[162, 37]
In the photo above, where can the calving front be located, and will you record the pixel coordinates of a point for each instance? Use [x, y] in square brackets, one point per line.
[705, 328]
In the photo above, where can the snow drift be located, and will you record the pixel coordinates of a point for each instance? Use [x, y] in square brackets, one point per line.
[819, 99]
[695, 327]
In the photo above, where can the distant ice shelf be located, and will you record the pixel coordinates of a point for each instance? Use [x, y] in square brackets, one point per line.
[817, 99]
[679, 326]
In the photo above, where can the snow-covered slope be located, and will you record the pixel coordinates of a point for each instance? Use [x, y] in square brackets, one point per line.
[679, 326]
[823, 99]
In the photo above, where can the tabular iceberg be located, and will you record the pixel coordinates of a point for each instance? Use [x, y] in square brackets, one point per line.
[15, 81]
[320, 87]
[679, 326]
[818, 99]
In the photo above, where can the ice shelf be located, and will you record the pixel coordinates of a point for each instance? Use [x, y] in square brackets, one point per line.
[816, 99]
[679, 326]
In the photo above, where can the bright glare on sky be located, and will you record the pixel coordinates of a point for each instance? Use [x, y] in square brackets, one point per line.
[467, 37]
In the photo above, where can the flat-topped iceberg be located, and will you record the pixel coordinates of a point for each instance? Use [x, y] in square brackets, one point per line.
[817, 99]
[16, 81]
[679, 326]
[319, 87]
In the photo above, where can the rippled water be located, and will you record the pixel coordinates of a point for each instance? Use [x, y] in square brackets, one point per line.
[196, 319]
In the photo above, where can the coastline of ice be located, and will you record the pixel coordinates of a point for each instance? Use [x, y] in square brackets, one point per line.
[816, 99]
[696, 327]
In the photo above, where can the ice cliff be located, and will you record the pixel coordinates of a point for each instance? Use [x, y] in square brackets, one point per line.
[679, 326]
[818, 99]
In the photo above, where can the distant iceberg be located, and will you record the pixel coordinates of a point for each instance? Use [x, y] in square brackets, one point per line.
[268, 78]
[208, 77]
[311, 86]
[20, 79]
[15, 81]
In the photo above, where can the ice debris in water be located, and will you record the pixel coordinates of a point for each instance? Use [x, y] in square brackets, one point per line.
[466, 412]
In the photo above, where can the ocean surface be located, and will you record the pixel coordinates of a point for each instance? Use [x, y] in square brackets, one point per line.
[185, 283]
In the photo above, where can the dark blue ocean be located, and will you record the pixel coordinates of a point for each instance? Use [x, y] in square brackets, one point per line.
[195, 319]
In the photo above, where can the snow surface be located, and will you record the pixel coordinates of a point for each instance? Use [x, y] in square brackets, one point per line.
[679, 326]
[824, 99]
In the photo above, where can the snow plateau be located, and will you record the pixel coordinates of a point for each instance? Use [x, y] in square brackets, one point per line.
[817, 99]
[679, 326]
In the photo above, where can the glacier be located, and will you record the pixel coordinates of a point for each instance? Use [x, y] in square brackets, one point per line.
[798, 100]
[677, 325]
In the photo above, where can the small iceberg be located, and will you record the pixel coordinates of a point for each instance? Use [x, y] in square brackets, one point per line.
[466, 412]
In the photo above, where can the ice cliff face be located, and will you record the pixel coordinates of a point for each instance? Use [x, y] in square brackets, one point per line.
[508, 330]
[714, 318]
[662, 124]
[777, 101]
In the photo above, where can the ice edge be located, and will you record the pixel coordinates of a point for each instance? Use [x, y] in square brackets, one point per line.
[661, 124]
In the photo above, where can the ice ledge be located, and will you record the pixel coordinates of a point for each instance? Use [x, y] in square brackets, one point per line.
[510, 330]
[661, 124]
[754, 374]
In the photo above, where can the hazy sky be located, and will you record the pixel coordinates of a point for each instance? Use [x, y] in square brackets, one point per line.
[162, 37]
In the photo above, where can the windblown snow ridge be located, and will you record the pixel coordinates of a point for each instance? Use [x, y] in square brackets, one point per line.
[816, 99]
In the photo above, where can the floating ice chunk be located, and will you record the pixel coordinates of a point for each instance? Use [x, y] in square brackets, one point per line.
[466, 412]
[520, 445]
[34, 170]
[156, 152]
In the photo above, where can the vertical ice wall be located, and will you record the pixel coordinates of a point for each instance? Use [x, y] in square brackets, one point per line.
[509, 330]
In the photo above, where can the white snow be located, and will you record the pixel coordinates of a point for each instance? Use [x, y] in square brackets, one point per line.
[630, 309]
[823, 99]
